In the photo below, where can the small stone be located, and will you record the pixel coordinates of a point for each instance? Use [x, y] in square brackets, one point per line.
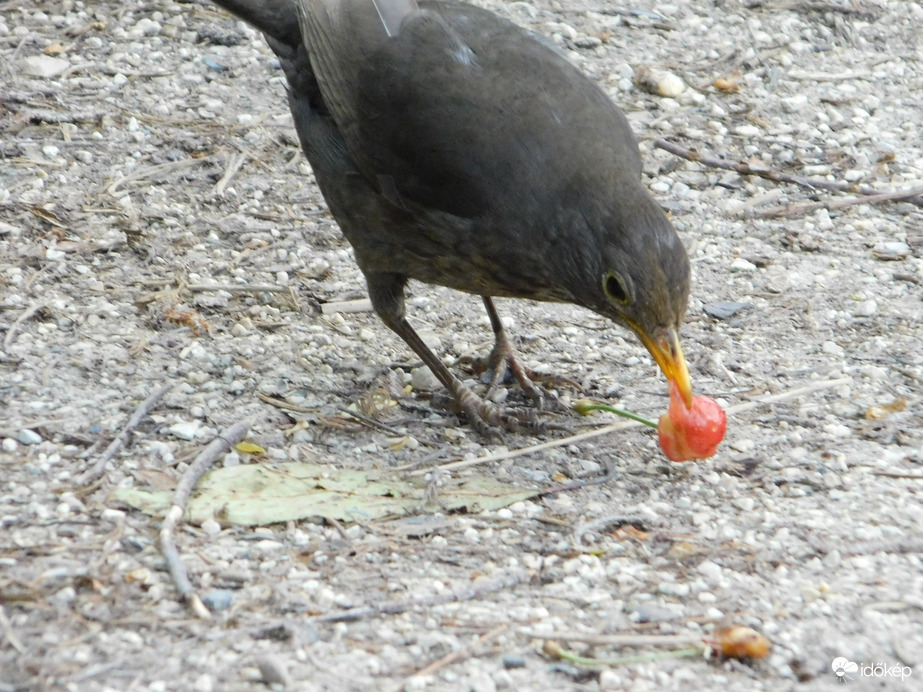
[28, 437]
[204, 683]
[744, 504]
[747, 131]
[211, 527]
[416, 683]
[185, 430]
[833, 349]
[611, 680]
[744, 446]
[587, 42]
[422, 379]
[795, 103]
[837, 430]
[44, 66]
[724, 310]
[659, 82]
[113, 516]
[891, 251]
[217, 600]
[272, 670]
[866, 308]
[9, 444]
[741, 265]
[672, 588]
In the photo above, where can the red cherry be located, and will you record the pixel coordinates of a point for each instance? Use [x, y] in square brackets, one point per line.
[691, 433]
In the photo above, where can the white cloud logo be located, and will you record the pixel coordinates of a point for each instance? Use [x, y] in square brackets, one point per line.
[842, 666]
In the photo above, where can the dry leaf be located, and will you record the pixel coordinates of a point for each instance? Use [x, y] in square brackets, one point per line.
[727, 85]
[885, 410]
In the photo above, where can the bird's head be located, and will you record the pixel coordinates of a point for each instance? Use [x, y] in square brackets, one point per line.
[641, 280]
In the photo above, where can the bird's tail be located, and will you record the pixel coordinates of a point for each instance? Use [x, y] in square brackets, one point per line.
[277, 19]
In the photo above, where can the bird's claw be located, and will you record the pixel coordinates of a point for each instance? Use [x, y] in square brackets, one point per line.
[488, 419]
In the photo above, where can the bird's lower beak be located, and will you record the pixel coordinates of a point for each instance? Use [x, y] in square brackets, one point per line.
[668, 354]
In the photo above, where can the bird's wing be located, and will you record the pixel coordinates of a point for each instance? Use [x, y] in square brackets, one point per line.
[448, 107]
[341, 35]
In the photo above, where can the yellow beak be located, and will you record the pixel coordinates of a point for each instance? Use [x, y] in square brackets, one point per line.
[668, 354]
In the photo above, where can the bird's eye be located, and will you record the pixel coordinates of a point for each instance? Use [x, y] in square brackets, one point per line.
[615, 288]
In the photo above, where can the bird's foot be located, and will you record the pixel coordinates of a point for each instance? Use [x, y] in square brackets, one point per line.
[501, 364]
[488, 419]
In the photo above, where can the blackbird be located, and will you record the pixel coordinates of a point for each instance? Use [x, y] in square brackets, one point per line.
[455, 148]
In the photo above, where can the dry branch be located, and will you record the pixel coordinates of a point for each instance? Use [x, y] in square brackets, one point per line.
[454, 656]
[224, 441]
[144, 408]
[796, 209]
[24, 316]
[916, 196]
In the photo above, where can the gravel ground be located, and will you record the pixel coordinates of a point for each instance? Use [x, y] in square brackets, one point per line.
[146, 151]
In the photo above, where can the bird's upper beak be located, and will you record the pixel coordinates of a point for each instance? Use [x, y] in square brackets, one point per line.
[668, 354]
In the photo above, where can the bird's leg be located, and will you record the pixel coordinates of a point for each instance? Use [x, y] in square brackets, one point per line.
[386, 292]
[503, 358]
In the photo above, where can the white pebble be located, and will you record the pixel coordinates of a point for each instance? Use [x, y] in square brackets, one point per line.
[204, 683]
[747, 130]
[113, 516]
[794, 103]
[745, 445]
[422, 379]
[672, 588]
[837, 430]
[28, 437]
[44, 66]
[184, 430]
[866, 308]
[9, 444]
[744, 504]
[741, 265]
[211, 527]
[833, 349]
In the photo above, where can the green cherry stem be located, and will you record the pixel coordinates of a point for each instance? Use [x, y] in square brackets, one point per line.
[585, 407]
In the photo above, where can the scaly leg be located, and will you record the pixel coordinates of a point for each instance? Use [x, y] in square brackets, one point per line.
[387, 295]
[502, 359]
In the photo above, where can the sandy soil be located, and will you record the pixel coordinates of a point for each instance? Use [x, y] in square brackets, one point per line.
[159, 158]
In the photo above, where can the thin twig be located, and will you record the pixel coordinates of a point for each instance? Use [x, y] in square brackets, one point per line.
[282, 404]
[370, 422]
[238, 288]
[223, 442]
[624, 425]
[158, 171]
[805, 207]
[26, 314]
[397, 607]
[8, 632]
[454, 656]
[555, 650]
[234, 165]
[909, 475]
[143, 409]
[620, 640]
[778, 176]
[347, 306]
